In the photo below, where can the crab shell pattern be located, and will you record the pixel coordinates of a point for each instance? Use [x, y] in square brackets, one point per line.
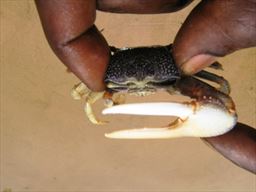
[144, 70]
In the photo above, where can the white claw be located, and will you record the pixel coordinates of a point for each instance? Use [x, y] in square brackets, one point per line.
[158, 109]
[205, 121]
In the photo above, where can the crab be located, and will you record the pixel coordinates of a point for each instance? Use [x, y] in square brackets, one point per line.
[142, 71]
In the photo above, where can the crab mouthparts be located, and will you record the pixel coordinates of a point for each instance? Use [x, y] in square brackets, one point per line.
[193, 121]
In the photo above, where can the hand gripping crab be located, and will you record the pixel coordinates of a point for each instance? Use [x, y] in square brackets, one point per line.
[144, 70]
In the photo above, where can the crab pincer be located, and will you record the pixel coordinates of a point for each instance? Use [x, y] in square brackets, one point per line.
[212, 113]
[144, 70]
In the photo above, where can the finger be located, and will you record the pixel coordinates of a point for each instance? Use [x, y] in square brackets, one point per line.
[142, 7]
[87, 57]
[213, 29]
[238, 145]
[74, 38]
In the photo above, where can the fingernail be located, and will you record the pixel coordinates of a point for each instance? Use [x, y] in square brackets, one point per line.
[197, 63]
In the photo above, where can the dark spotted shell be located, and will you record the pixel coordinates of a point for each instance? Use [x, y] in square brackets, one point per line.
[141, 62]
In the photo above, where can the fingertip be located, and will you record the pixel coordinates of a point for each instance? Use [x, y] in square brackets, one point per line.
[99, 87]
[197, 63]
[96, 85]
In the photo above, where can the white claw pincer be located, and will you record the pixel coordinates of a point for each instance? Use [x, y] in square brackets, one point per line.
[192, 121]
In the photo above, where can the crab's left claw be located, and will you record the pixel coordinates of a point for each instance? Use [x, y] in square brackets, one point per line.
[193, 121]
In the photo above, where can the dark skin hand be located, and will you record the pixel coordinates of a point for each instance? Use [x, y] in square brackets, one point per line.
[214, 28]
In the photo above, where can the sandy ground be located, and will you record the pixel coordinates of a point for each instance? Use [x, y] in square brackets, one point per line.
[47, 144]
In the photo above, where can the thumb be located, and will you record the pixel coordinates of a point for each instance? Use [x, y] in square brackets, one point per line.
[214, 29]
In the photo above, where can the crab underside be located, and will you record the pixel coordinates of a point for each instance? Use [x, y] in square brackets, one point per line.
[147, 69]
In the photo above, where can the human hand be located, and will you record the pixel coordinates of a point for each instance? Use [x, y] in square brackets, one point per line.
[237, 145]
[71, 33]
[70, 30]
[214, 28]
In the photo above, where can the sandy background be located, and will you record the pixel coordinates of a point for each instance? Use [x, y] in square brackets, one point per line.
[47, 144]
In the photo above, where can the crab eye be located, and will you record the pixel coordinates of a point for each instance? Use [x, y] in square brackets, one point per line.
[131, 84]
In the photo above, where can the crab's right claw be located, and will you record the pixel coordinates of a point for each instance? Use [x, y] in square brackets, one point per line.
[81, 91]
[193, 121]
[90, 114]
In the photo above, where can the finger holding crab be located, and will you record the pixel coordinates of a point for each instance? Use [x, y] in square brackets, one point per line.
[144, 70]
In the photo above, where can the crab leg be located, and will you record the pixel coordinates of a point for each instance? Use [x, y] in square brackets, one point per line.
[224, 85]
